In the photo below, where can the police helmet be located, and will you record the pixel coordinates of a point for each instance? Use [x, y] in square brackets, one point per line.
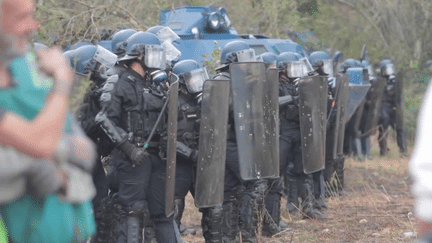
[149, 45]
[69, 55]
[93, 58]
[387, 68]
[320, 59]
[106, 44]
[191, 75]
[293, 64]
[237, 51]
[82, 57]
[118, 39]
[350, 63]
[316, 56]
[154, 29]
[80, 44]
[269, 58]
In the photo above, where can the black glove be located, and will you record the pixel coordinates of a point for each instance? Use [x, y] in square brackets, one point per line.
[136, 155]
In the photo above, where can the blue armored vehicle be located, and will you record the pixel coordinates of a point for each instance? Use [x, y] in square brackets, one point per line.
[205, 29]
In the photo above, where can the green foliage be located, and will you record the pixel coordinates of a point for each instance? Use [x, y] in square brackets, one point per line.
[81, 88]
[212, 60]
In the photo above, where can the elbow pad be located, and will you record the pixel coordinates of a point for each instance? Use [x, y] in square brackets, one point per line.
[115, 134]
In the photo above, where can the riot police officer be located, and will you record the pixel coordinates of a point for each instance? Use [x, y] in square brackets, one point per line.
[191, 77]
[251, 192]
[221, 223]
[392, 108]
[322, 63]
[297, 183]
[95, 61]
[131, 104]
[353, 134]
[272, 223]
[118, 46]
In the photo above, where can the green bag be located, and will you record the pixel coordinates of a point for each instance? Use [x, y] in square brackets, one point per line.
[30, 220]
[3, 232]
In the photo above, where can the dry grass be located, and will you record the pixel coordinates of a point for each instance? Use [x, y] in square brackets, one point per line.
[376, 206]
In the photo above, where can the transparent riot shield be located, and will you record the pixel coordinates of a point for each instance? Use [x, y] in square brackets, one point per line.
[171, 148]
[356, 94]
[255, 104]
[337, 110]
[342, 84]
[209, 190]
[271, 116]
[313, 94]
[372, 107]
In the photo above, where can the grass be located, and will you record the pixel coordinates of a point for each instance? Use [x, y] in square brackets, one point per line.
[376, 206]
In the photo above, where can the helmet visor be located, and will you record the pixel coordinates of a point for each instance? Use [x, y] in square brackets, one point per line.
[155, 57]
[307, 67]
[295, 70]
[167, 34]
[195, 79]
[105, 57]
[389, 70]
[246, 56]
[171, 52]
[328, 67]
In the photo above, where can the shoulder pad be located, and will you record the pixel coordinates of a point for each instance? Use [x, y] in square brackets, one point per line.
[112, 79]
[109, 84]
[105, 97]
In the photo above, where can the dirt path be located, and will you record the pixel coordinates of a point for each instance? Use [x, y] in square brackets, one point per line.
[376, 206]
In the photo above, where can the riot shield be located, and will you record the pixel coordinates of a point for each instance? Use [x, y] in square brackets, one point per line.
[209, 190]
[255, 102]
[171, 148]
[313, 93]
[356, 95]
[372, 108]
[342, 86]
[336, 130]
[400, 106]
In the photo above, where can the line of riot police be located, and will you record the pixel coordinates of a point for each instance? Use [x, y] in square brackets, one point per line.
[262, 127]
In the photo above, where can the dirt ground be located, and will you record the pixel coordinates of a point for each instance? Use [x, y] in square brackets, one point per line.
[376, 206]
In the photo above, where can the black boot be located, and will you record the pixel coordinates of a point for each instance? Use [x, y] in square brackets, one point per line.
[271, 223]
[251, 209]
[382, 141]
[292, 195]
[231, 213]
[340, 170]
[165, 230]
[320, 201]
[401, 142]
[308, 210]
[211, 223]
